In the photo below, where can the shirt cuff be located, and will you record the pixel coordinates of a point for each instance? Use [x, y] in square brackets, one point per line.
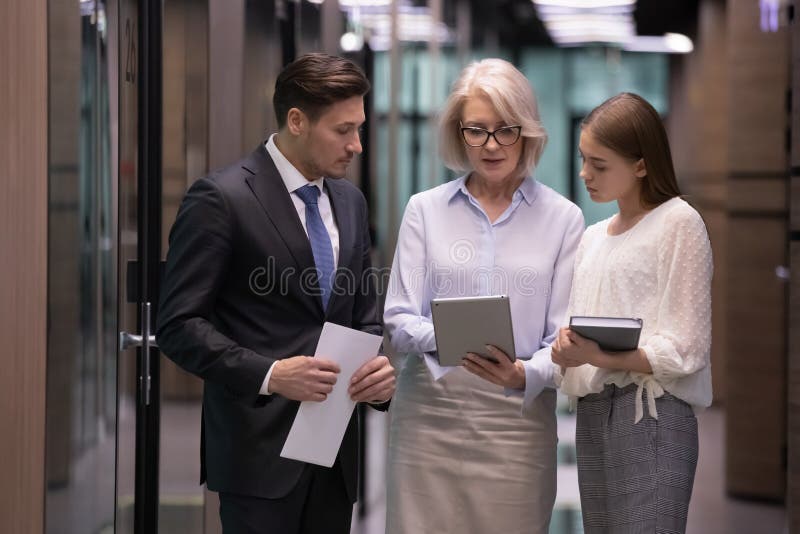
[538, 375]
[558, 376]
[425, 336]
[265, 385]
[436, 370]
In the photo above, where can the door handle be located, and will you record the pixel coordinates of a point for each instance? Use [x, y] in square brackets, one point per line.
[146, 341]
[127, 341]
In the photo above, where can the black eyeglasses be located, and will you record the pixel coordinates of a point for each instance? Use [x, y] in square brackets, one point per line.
[505, 136]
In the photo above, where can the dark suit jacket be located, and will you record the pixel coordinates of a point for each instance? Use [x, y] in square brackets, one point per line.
[237, 296]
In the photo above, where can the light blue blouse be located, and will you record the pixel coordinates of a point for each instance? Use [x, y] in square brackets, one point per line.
[447, 247]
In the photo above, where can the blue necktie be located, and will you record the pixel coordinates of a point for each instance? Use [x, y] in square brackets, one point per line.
[320, 240]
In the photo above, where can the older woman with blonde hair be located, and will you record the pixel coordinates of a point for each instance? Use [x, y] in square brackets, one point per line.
[472, 449]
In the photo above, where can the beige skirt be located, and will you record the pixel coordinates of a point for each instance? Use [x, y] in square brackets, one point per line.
[463, 459]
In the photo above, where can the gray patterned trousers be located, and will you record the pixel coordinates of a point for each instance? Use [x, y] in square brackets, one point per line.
[634, 478]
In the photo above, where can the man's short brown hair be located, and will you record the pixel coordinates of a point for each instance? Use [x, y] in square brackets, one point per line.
[314, 82]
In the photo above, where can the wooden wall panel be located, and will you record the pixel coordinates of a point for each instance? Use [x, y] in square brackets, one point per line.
[23, 272]
[758, 83]
[64, 42]
[794, 191]
[793, 381]
[760, 195]
[698, 130]
[793, 385]
[756, 406]
[758, 223]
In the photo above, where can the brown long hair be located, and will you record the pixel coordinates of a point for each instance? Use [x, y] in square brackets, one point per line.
[631, 127]
[314, 82]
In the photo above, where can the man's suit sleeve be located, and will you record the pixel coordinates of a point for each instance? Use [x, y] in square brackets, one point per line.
[365, 311]
[199, 252]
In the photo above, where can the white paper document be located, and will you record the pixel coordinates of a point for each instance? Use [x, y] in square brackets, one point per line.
[318, 428]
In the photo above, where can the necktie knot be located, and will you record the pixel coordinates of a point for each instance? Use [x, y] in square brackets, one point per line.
[309, 194]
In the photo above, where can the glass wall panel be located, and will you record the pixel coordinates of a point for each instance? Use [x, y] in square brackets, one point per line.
[82, 294]
[128, 243]
[382, 185]
[648, 76]
[544, 67]
[595, 74]
[185, 158]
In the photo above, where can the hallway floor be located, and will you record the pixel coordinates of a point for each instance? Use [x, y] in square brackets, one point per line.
[79, 503]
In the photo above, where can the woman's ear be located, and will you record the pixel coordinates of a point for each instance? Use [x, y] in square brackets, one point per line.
[640, 169]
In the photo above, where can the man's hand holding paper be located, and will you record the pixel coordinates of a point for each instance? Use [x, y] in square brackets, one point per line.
[319, 427]
[304, 378]
[373, 382]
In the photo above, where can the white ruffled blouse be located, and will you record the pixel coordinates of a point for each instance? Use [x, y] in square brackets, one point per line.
[659, 271]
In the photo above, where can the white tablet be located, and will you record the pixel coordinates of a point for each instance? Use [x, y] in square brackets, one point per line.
[468, 324]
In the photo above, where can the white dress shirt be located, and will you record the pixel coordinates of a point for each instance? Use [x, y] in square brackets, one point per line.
[448, 247]
[294, 180]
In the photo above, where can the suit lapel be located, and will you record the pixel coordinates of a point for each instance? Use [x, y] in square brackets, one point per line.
[346, 232]
[269, 189]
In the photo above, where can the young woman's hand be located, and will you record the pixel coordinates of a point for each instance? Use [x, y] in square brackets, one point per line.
[571, 350]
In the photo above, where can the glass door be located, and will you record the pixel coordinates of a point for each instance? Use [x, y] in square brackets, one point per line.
[162, 145]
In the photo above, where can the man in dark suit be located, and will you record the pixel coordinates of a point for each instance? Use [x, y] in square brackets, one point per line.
[261, 254]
